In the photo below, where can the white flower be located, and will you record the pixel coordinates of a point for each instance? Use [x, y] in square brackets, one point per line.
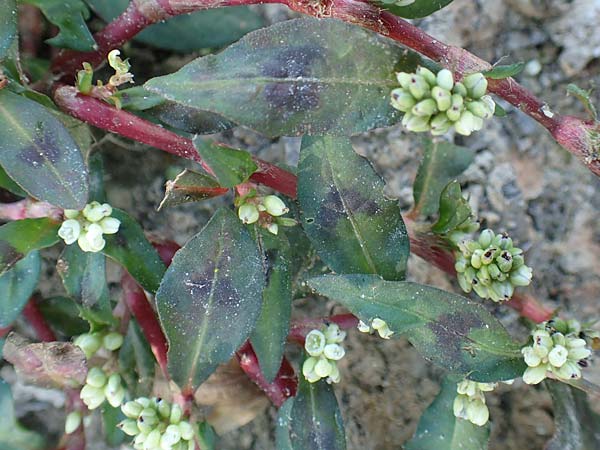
[110, 225]
[274, 205]
[315, 343]
[91, 240]
[334, 351]
[69, 231]
[248, 213]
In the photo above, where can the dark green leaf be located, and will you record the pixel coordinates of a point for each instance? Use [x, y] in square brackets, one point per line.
[38, 152]
[439, 429]
[282, 426]
[505, 71]
[12, 434]
[8, 25]
[442, 162]
[584, 97]
[16, 286]
[270, 334]
[96, 169]
[137, 361]
[19, 237]
[315, 420]
[7, 183]
[189, 32]
[418, 9]
[577, 426]
[457, 334]
[352, 225]
[69, 16]
[207, 437]
[231, 166]
[454, 209]
[499, 111]
[296, 77]
[130, 248]
[62, 314]
[139, 99]
[190, 186]
[210, 298]
[111, 416]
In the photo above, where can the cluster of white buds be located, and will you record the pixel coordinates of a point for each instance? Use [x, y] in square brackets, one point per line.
[469, 404]
[325, 351]
[376, 325]
[436, 103]
[157, 425]
[91, 343]
[491, 266]
[267, 211]
[100, 386]
[72, 421]
[558, 349]
[87, 226]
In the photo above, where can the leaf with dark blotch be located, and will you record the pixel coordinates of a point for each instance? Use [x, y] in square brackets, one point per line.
[130, 248]
[315, 419]
[13, 436]
[69, 16]
[230, 166]
[48, 364]
[190, 186]
[577, 426]
[453, 332]
[296, 77]
[442, 163]
[189, 32]
[39, 154]
[270, 334]
[139, 99]
[8, 25]
[16, 286]
[454, 209]
[351, 224]
[190, 120]
[505, 71]
[20, 237]
[7, 183]
[416, 10]
[210, 298]
[439, 429]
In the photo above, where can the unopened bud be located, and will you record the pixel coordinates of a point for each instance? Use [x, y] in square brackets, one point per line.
[418, 87]
[425, 107]
[427, 74]
[96, 377]
[476, 85]
[315, 343]
[445, 79]
[442, 97]
[112, 341]
[72, 422]
[274, 205]
[402, 100]
[248, 213]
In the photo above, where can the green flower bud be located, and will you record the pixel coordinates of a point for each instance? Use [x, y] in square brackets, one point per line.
[129, 427]
[480, 109]
[274, 205]
[522, 277]
[460, 90]
[504, 261]
[148, 417]
[465, 124]
[418, 87]
[424, 108]
[333, 334]
[568, 371]
[112, 341]
[144, 401]
[89, 343]
[315, 343]
[334, 376]
[476, 85]
[323, 368]
[442, 97]
[480, 289]
[427, 74]
[115, 397]
[485, 238]
[440, 124]
[464, 282]
[273, 228]
[186, 430]
[402, 100]
[96, 377]
[518, 261]
[170, 437]
[248, 213]
[152, 441]
[503, 290]
[72, 421]
[404, 79]
[164, 409]
[92, 396]
[494, 271]
[484, 276]
[308, 366]
[416, 124]
[71, 213]
[110, 225]
[286, 222]
[461, 264]
[176, 414]
[445, 79]
[476, 258]
[93, 211]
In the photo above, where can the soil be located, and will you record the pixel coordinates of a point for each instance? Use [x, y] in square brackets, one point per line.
[521, 182]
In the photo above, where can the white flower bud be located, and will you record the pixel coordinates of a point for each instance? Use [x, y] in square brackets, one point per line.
[152, 441]
[333, 334]
[522, 277]
[363, 327]
[69, 231]
[579, 353]
[164, 409]
[465, 124]
[96, 377]
[132, 409]
[176, 414]
[308, 366]
[93, 211]
[110, 225]
[535, 375]
[558, 356]
[445, 79]
[315, 343]
[477, 413]
[248, 213]
[186, 430]
[385, 332]
[459, 406]
[568, 371]
[323, 368]
[92, 396]
[273, 228]
[170, 437]
[334, 351]
[115, 397]
[129, 427]
[71, 213]
[72, 422]
[274, 205]
[334, 376]
[404, 79]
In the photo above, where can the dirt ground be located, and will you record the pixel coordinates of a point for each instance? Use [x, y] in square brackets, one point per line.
[521, 182]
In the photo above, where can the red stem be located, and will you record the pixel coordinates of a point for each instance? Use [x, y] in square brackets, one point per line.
[140, 307]
[281, 388]
[300, 328]
[37, 321]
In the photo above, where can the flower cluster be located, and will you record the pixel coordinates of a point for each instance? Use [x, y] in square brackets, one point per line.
[376, 325]
[100, 386]
[325, 351]
[469, 404]
[435, 103]
[491, 266]
[91, 343]
[156, 425]
[87, 226]
[557, 348]
[266, 211]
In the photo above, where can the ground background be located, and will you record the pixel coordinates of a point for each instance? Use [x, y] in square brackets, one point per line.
[520, 182]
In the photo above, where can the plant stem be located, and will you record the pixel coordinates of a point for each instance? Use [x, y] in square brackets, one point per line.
[28, 209]
[35, 318]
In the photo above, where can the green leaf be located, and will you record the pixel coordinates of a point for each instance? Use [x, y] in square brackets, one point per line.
[111, 416]
[38, 152]
[296, 77]
[499, 111]
[7, 183]
[136, 361]
[505, 71]
[439, 429]
[577, 425]
[16, 286]
[8, 25]
[454, 209]
[351, 224]
[282, 426]
[130, 248]
[189, 32]
[418, 9]
[19, 237]
[190, 186]
[69, 16]
[584, 97]
[207, 437]
[269, 336]
[210, 298]
[62, 314]
[315, 420]
[451, 331]
[442, 162]
[231, 166]
[13, 436]
[96, 169]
